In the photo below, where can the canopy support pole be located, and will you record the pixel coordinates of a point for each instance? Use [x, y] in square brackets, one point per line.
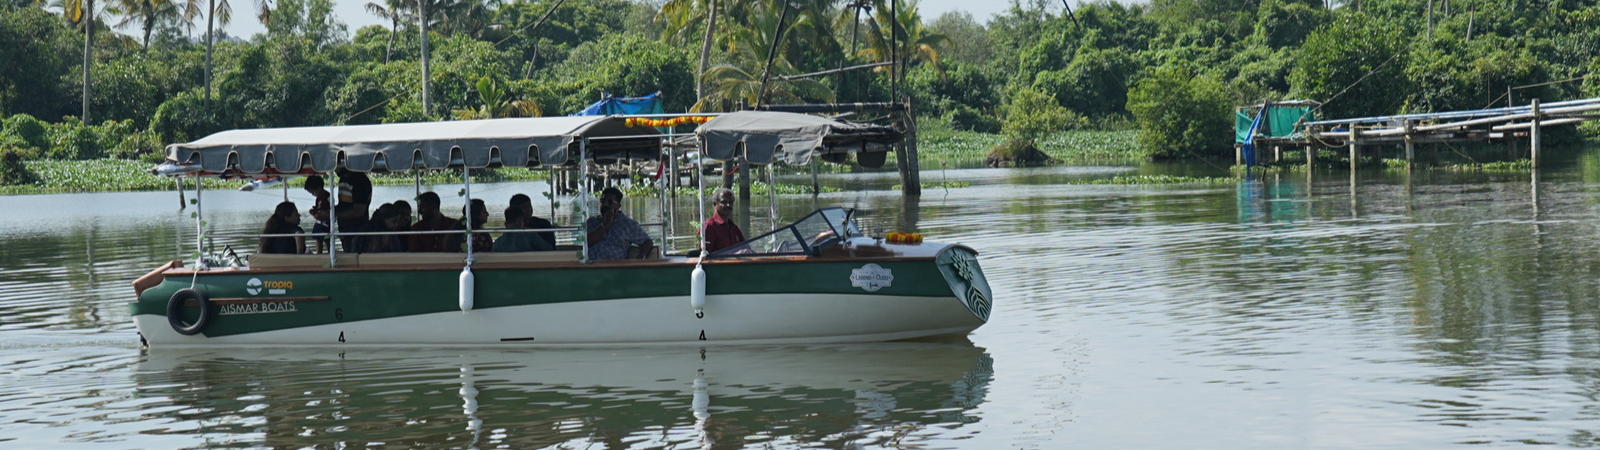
[199, 224]
[700, 197]
[583, 192]
[333, 223]
[667, 204]
[466, 182]
[772, 195]
[550, 180]
[744, 189]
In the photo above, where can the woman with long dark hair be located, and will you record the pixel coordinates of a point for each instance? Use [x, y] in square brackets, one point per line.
[386, 218]
[285, 220]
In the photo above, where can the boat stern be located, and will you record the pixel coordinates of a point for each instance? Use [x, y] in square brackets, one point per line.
[959, 265]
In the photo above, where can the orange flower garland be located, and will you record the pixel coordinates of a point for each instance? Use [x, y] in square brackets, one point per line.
[904, 238]
[671, 122]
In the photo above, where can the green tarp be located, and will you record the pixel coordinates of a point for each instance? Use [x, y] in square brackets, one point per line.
[1280, 122]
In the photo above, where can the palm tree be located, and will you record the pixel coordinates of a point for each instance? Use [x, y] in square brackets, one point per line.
[898, 36]
[82, 12]
[147, 13]
[740, 78]
[680, 12]
[497, 103]
[395, 11]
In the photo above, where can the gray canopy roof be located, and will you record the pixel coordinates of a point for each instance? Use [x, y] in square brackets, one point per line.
[516, 142]
[792, 138]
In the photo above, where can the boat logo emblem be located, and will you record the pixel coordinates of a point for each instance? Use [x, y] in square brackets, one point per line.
[871, 277]
[253, 286]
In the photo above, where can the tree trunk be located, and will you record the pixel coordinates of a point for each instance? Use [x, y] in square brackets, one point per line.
[88, 53]
[149, 25]
[394, 27]
[705, 53]
[422, 18]
[211, 18]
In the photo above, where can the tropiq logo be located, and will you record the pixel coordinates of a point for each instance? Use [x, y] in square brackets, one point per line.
[253, 286]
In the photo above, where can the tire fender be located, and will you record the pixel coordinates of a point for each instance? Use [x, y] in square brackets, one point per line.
[175, 311]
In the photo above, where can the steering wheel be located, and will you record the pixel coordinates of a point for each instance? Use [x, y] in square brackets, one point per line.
[820, 238]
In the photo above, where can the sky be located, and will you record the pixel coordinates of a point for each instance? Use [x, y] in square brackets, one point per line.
[354, 14]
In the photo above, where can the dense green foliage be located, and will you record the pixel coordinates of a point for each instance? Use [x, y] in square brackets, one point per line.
[1171, 69]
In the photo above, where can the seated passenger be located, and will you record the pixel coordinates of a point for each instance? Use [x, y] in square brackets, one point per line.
[519, 242]
[531, 221]
[384, 219]
[402, 211]
[719, 230]
[479, 215]
[612, 233]
[433, 220]
[285, 220]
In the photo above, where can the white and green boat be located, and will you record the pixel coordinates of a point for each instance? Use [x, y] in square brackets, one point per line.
[816, 280]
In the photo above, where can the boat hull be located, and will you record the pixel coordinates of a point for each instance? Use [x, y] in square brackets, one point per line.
[626, 304]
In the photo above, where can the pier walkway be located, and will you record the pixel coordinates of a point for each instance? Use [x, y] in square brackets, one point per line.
[1509, 124]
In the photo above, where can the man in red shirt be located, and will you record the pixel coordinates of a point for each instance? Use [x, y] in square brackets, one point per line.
[719, 230]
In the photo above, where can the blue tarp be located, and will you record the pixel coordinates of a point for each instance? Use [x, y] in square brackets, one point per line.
[1249, 145]
[649, 104]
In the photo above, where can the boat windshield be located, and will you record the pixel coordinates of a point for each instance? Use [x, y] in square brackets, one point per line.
[807, 236]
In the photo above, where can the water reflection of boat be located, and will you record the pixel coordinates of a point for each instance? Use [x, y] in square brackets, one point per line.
[676, 397]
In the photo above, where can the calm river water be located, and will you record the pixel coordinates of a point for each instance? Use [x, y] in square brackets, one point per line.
[1436, 310]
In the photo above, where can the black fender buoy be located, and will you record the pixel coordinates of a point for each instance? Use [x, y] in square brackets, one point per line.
[175, 311]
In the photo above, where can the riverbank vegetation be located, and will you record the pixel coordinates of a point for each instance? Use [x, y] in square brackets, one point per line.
[1105, 81]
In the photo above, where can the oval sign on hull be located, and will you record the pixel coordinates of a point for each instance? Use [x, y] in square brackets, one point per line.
[871, 277]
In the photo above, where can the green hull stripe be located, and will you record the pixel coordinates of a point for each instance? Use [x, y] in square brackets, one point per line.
[369, 295]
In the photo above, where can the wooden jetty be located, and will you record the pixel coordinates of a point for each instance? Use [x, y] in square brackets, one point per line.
[1509, 124]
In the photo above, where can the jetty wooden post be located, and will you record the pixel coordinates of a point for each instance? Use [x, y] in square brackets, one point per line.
[1311, 154]
[1533, 136]
[911, 183]
[1354, 153]
[1410, 150]
[910, 172]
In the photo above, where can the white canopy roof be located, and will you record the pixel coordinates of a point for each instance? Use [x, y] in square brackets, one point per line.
[516, 142]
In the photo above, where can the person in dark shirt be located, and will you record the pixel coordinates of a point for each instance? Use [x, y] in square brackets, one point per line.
[519, 242]
[525, 204]
[719, 230]
[355, 196]
[285, 220]
[433, 220]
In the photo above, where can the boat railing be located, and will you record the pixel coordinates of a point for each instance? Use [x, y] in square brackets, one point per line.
[398, 233]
